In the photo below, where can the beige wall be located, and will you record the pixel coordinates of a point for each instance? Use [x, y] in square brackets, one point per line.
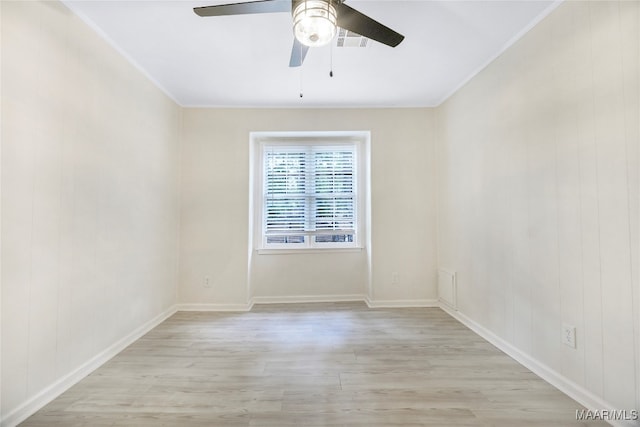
[215, 210]
[538, 195]
[90, 161]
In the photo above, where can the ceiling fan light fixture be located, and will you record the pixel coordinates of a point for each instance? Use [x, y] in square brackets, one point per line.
[314, 22]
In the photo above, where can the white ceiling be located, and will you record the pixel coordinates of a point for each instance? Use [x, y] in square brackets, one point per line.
[242, 61]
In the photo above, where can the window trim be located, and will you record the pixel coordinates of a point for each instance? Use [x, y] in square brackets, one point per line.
[261, 140]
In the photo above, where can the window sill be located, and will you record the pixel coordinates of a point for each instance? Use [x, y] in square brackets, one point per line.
[308, 251]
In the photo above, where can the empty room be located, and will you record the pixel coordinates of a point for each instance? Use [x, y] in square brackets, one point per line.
[319, 213]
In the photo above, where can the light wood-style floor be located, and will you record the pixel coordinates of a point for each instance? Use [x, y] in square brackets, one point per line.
[311, 365]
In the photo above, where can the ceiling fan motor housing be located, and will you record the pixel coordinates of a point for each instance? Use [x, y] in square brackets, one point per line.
[295, 3]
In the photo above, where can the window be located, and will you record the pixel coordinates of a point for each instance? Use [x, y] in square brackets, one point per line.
[308, 193]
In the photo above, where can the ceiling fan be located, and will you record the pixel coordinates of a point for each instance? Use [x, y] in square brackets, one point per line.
[314, 22]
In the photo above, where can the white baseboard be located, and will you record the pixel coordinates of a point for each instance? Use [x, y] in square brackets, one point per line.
[568, 387]
[215, 307]
[45, 396]
[402, 303]
[301, 299]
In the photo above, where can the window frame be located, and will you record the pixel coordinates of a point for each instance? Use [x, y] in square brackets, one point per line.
[262, 141]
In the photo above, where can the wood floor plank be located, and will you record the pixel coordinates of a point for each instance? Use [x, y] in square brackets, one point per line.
[339, 364]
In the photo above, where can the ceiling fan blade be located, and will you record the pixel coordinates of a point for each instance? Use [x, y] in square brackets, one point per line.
[261, 6]
[352, 20]
[298, 53]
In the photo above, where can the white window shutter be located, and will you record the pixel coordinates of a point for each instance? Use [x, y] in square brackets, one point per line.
[309, 194]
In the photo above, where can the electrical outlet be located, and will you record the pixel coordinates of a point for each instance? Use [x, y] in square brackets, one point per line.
[206, 282]
[569, 335]
[394, 278]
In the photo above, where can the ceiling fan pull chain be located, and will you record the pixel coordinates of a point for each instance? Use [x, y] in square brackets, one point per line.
[331, 60]
[301, 67]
